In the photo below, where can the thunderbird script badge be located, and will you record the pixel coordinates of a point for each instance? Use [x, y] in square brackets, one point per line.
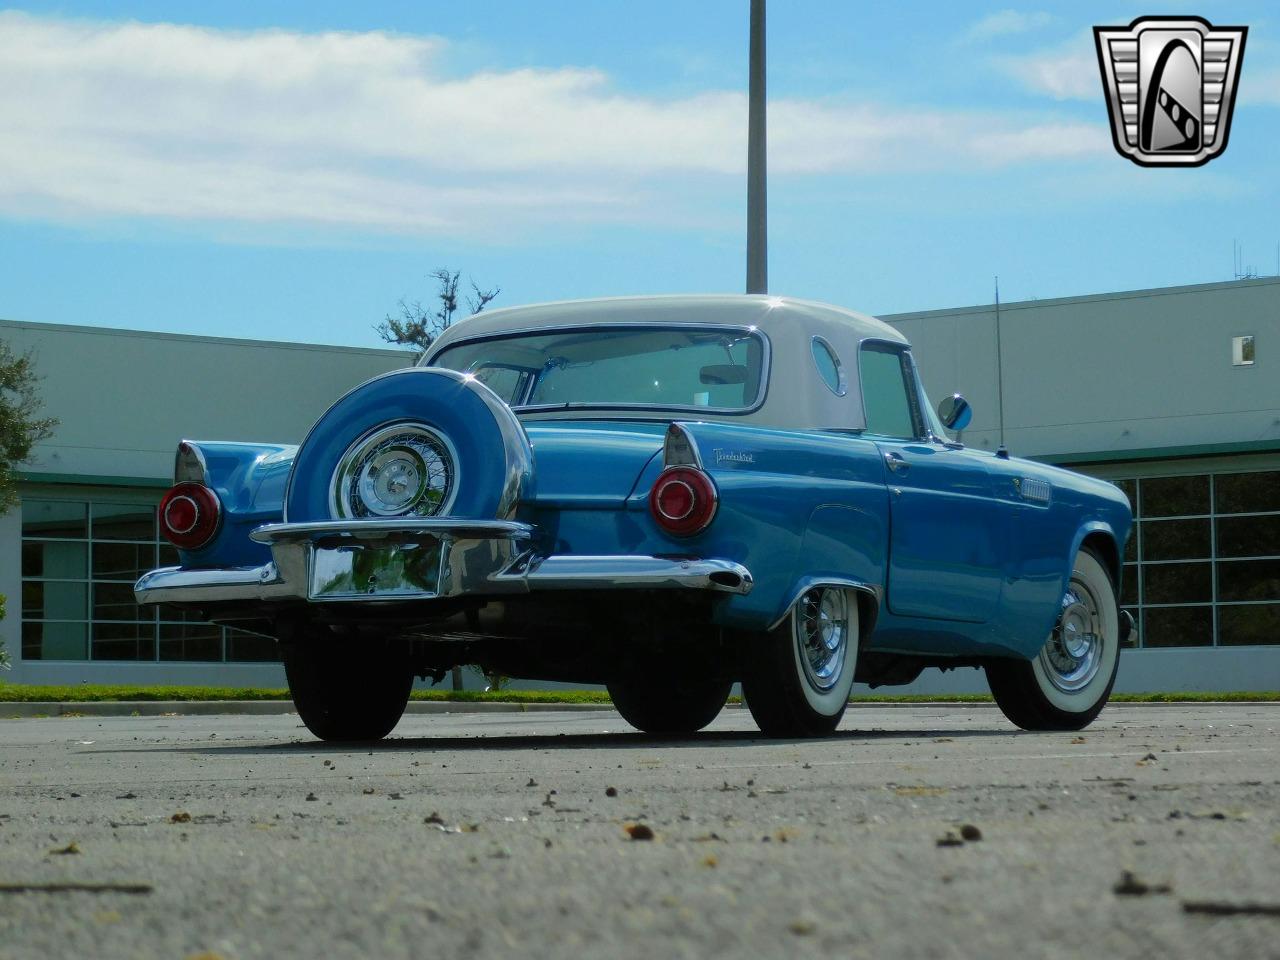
[1171, 86]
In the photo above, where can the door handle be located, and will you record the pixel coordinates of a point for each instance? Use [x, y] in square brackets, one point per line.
[896, 463]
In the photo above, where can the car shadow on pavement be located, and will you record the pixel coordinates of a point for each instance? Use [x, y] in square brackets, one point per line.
[574, 741]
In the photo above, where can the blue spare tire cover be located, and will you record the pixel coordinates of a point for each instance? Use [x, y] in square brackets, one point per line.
[494, 468]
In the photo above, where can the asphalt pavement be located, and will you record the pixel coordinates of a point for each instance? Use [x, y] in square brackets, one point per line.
[914, 832]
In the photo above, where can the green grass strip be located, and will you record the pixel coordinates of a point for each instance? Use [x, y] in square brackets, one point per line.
[90, 693]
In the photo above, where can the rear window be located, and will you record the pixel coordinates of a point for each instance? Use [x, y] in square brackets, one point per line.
[716, 368]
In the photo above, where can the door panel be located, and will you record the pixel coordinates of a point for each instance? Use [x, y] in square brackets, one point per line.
[948, 534]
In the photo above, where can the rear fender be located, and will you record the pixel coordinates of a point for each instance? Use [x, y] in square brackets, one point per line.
[809, 508]
[249, 479]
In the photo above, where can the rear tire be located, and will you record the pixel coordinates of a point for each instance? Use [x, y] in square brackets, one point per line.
[1069, 681]
[348, 691]
[798, 675]
[668, 705]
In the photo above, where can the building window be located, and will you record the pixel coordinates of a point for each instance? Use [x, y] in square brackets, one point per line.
[1242, 351]
[80, 560]
[1202, 567]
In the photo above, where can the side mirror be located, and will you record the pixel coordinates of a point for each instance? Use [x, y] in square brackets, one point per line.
[954, 412]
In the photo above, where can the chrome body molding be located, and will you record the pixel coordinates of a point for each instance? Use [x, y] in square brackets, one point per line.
[176, 585]
[680, 449]
[810, 583]
[1033, 489]
[570, 572]
[189, 464]
[398, 529]
[398, 560]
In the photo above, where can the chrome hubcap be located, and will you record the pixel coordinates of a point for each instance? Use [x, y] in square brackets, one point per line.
[822, 636]
[1073, 654]
[400, 470]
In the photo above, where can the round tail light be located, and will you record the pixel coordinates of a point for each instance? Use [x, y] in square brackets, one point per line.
[189, 515]
[683, 501]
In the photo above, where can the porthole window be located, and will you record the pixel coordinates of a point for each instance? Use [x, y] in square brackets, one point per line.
[829, 368]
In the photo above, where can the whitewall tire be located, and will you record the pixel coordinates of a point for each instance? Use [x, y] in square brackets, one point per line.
[799, 674]
[1066, 685]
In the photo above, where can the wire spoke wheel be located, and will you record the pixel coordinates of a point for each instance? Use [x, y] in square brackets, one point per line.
[799, 674]
[822, 636]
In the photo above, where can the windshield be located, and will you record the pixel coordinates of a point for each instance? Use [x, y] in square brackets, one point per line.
[720, 368]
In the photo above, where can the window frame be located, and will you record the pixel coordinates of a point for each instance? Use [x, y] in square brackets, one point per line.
[910, 384]
[1136, 570]
[157, 623]
[762, 392]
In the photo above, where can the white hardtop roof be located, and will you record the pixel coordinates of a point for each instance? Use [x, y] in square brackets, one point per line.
[770, 314]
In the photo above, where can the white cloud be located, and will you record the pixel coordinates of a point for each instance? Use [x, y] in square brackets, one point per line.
[1006, 23]
[1069, 72]
[365, 130]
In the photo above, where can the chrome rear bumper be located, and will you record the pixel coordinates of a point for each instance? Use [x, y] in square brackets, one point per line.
[384, 561]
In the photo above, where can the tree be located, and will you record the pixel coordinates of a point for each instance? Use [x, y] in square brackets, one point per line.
[418, 326]
[20, 427]
[20, 430]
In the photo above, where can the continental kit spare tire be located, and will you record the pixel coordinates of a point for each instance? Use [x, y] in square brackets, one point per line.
[418, 442]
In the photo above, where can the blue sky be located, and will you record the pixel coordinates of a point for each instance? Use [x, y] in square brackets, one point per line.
[292, 170]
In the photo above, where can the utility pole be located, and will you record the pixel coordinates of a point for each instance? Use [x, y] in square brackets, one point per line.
[757, 206]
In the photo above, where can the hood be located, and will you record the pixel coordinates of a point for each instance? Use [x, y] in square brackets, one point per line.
[591, 464]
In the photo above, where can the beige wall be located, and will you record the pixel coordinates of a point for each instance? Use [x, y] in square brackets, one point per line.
[126, 398]
[1114, 372]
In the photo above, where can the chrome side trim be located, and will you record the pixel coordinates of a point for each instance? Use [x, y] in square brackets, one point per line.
[680, 449]
[1127, 626]
[189, 464]
[175, 585]
[569, 572]
[808, 583]
[1033, 489]
[397, 529]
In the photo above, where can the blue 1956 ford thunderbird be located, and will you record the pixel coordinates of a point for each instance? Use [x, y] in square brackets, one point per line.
[664, 495]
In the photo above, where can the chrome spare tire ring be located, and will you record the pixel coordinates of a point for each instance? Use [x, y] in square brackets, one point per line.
[396, 470]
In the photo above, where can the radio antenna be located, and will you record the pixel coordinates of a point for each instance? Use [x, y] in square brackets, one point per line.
[1002, 451]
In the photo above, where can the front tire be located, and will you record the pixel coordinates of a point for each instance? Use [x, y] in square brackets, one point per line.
[664, 705]
[1069, 681]
[347, 692]
[799, 674]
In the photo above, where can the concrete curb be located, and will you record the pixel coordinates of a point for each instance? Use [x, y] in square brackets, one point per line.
[161, 708]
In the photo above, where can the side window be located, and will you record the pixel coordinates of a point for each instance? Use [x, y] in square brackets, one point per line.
[886, 392]
[828, 364]
[507, 382]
